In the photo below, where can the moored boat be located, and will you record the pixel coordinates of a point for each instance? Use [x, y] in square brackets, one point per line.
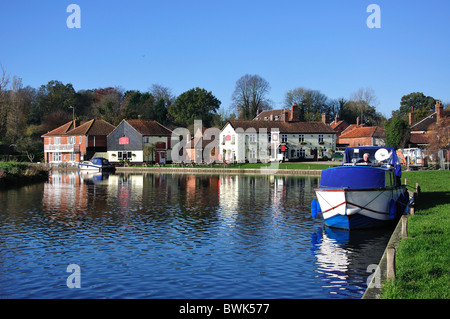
[362, 193]
[98, 164]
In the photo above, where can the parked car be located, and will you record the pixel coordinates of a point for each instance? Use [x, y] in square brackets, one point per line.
[338, 156]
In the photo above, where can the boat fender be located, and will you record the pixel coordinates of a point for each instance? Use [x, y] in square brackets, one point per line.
[392, 209]
[315, 208]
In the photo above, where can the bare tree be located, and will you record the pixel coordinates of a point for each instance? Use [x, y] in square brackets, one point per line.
[161, 92]
[15, 117]
[250, 94]
[4, 81]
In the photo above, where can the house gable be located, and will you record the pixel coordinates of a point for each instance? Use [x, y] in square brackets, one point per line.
[124, 138]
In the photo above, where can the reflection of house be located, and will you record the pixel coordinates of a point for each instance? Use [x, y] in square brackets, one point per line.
[266, 140]
[422, 131]
[73, 142]
[131, 137]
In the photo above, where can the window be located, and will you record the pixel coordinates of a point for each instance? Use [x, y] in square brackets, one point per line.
[57, 140]
[252, 155]
[320, 138]
[301, 153]
[56, 157]
[252, 138]
[233, 139]
[146, 139]
[301, 138]
[283, 138]
[119, 155]
[79, 139]
[72, 157]
[71, 140]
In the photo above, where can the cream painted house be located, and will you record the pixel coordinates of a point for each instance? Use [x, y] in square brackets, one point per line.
[264, 141]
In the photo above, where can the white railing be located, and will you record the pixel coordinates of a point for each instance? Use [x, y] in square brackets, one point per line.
[61, 148]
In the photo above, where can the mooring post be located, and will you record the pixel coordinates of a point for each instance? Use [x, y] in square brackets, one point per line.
[412, 208]
[417, 188]
[390, 259]
[406, 181]
[404, 226]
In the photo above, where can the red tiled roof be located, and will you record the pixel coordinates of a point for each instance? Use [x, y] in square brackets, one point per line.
[419, 138]
[93, 127]
[335, 124]
[367, 131]
[426, 123]
[149, 127]
[62, 130]
[268, 113]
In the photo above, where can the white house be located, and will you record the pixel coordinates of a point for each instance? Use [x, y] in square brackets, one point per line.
[128, 140]
[265, 140]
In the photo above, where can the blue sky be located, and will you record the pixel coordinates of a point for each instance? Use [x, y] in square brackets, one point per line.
[323, 45]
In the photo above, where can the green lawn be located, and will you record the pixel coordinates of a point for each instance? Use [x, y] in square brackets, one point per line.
[423, 259]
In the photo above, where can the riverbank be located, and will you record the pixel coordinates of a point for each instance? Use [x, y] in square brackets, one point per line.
[422, 258]
[14, 174]
[301, 169]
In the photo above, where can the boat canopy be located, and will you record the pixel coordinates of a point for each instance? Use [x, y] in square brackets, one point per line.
[381, 156]
[356, 177]
[99, 161]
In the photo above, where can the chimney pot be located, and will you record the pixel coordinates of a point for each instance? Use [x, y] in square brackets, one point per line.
[439, 110]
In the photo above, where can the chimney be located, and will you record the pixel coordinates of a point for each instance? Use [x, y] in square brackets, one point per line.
[324, 118]
[271, 117]
[257, 111]
[295, 117]
[411, 116]
[439, 111]
[284, 116]
[336, 119]
[357, 121]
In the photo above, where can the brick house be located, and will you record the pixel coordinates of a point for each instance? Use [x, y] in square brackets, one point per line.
[422, 131]
[363, 136]
[76, 141]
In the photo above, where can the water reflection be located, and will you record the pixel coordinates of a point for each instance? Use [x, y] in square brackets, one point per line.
[177, 236]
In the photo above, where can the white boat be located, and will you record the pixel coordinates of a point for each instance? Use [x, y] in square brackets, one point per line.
[362, 194]
[98, 164]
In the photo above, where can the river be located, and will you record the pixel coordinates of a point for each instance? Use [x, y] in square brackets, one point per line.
[177, 236]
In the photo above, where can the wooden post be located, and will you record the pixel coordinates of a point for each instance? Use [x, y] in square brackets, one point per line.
[390, 257]
[412, 208]
[404, 226]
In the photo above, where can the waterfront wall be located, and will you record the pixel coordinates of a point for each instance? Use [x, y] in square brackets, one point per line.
[193, 170]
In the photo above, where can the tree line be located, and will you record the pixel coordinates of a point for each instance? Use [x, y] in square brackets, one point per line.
[26, 113]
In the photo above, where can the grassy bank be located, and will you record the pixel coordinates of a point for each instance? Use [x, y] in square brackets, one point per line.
[423, 259]
[17, 174]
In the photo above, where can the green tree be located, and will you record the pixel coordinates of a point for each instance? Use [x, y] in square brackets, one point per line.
[195, 104]
[397, 132]
[160, 111]
[421, 104]
[53, 97]
[137, 105]
[311, 103]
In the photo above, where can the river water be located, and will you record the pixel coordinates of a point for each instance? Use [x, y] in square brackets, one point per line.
[177, 236]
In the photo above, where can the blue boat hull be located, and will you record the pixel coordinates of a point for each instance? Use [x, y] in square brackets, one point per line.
[357, 221]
